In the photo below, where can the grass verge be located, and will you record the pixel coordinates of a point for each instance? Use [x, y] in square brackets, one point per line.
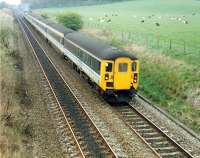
[15, 129]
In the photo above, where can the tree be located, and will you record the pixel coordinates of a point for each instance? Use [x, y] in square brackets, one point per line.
[3, 5]
[70, 20]
[66, 3]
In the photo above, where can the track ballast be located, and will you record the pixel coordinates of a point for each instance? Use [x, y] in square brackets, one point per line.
[89, 140]
[151, 134]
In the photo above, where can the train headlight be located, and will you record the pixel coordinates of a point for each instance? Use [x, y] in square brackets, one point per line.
[106, 76]
[135, 78]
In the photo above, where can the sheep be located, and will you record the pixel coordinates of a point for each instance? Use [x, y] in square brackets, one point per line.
[109, 20]
[157, 24]
[185, 21]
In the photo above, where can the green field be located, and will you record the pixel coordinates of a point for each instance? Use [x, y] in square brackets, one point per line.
[170, 14]
[169, 77]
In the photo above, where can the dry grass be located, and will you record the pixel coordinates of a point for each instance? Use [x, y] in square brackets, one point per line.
[12, 113]
[26, 129]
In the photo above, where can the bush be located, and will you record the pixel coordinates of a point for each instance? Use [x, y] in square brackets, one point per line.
[44, 15]
[70, 20]
[5, 33]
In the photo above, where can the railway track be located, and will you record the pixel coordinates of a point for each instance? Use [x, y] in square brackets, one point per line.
[152, 135]
[73, 119]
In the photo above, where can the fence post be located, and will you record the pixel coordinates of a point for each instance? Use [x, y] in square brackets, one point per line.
[132, 37]
[184, 46]
[158, 41]
[122, 36]
[170, 44]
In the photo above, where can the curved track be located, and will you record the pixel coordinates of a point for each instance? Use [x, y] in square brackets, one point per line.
[88, 140]
[151, 134]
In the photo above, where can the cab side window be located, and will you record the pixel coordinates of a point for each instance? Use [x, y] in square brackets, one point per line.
[134, 67]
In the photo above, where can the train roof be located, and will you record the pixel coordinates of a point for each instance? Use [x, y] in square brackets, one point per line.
[97, 47]
[56, 26]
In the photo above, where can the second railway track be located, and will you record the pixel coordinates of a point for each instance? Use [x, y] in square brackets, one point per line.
[151, 134]
[87, 138]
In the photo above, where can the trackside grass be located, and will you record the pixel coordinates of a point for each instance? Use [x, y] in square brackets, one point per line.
[169, 78]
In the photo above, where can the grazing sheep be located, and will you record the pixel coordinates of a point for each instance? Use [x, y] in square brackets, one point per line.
[185, 21]
[157, 24]
[109, 20]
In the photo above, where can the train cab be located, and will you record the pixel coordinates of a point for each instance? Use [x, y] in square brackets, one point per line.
[120, 78]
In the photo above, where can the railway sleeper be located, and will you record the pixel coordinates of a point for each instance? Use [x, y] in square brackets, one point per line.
[160, 143]
[153, 134]
[129, 113]
[139, 122]
[143, 130]
[154, 139]
[140, 126]
[165, 149]
[135, 119]
[171, 155]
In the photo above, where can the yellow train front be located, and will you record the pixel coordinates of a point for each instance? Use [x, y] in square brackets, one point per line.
[119, 78]
[112, 71]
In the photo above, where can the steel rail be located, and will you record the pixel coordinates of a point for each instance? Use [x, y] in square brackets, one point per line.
[152, 127]
[169, 116]
[58, 103]
[108, 147]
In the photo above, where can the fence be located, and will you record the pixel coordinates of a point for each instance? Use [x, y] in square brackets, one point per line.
[152, 42]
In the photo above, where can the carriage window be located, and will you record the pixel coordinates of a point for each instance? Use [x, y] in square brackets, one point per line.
[108, 67]
[123, 67]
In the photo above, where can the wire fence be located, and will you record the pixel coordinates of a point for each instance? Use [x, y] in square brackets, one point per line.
[149, 41]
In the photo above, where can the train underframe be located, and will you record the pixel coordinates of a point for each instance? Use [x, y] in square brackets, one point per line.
[119, 96]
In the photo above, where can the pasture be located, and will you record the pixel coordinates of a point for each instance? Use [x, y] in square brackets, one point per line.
[170, 24]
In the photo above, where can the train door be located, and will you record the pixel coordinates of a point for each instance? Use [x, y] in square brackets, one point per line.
[107, 68]
[122, 73]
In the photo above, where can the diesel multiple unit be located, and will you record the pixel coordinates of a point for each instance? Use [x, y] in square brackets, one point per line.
[114, 72]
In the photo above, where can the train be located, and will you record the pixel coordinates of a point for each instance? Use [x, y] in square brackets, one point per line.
[112, 71]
